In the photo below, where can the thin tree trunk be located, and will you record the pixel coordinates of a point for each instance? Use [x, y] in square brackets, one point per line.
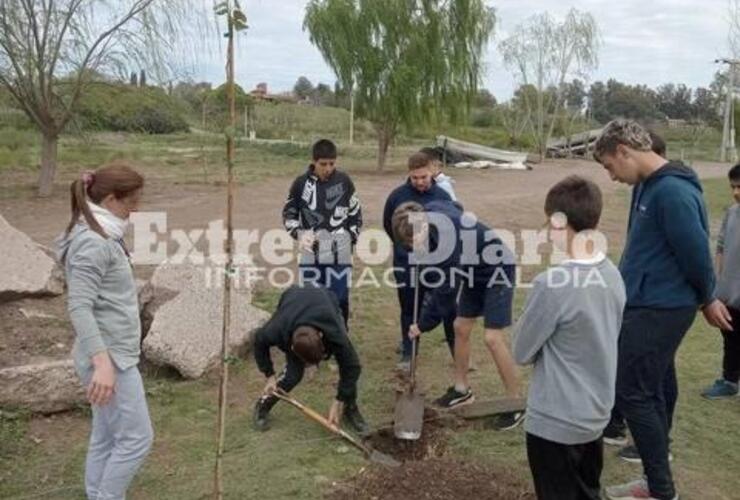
[228, 268]
[48, 164]
[384, 141]
[351, 117]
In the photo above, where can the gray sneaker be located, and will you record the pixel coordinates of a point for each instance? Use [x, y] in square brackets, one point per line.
[631, 455]
[635, 490]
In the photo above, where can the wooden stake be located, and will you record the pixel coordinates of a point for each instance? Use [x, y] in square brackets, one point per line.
[228, 270]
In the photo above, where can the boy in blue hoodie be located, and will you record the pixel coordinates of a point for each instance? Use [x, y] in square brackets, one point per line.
[454, 250]
[667, 269]
[728, 291]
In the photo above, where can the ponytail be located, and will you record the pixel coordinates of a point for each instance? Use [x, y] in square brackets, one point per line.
[78, 192]
[116, 178]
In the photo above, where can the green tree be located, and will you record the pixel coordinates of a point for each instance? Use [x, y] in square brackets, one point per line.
[406, 61]
[597, 102]
[705, 106]
[574, 95]
[322, 95]
[303, 88]
[674, 101]
[484, 99]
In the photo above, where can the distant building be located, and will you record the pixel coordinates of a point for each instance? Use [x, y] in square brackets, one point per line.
[261, 93]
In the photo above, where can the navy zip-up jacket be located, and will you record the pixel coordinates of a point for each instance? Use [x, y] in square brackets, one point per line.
[400, 195]
[439, 301]
[666, 261]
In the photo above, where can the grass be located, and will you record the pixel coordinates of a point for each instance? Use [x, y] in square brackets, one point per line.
[178, 158]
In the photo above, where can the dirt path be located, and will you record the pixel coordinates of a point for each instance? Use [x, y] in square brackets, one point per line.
[506, 199]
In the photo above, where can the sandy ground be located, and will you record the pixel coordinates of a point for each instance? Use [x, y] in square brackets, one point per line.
[506, 199]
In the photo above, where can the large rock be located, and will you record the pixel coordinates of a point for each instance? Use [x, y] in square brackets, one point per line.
[25, 268]
[184, 309]
[44, 387]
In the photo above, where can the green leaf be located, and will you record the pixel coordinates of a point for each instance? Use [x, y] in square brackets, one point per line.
[221, 8]
[239, 16]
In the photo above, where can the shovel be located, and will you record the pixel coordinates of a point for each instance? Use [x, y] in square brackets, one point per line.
[371, 454]
[408, 418]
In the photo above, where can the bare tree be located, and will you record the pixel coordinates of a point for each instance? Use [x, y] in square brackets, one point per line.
[546, 54]
[52, 50]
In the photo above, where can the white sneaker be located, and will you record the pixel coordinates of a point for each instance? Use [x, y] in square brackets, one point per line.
[636, 490]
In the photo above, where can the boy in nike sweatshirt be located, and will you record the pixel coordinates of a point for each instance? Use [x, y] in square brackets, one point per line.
[324, 215]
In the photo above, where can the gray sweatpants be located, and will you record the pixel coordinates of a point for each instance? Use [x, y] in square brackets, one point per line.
[120, 438]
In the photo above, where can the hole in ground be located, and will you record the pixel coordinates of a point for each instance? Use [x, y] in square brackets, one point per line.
[432, 442]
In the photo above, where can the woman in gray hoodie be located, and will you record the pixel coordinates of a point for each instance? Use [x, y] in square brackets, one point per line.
[104, 311]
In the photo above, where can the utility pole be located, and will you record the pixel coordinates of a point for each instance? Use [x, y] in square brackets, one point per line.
[728, 128]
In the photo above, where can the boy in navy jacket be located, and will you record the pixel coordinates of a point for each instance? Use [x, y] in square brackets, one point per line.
[441, 235]
[420, 188]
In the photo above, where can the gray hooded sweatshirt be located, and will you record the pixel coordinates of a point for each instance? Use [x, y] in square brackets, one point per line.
[102, 301]
[728, 244]
[569, 331]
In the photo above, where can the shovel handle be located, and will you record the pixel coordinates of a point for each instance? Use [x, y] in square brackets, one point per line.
[317, 417]
[414, 342]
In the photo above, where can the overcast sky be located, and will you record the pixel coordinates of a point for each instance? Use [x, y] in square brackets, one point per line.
[644, 41]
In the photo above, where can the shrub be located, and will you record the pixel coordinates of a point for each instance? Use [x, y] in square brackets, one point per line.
[123, 108]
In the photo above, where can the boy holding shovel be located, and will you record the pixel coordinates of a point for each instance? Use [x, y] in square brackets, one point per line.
[308, 327]
[453, 248]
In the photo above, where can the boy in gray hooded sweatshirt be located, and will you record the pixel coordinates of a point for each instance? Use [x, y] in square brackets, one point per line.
[569, 331]
[728, 291]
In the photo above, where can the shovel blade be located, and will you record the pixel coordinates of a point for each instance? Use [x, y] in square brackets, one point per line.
[380, 458]
[408, 418]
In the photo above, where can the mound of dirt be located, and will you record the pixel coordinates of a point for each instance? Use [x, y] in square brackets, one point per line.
[433, 479]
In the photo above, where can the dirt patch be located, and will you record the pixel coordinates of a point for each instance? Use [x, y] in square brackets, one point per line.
[426, 472]
[433, 479]
[33, 330]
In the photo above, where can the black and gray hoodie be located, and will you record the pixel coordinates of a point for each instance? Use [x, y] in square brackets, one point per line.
[330, 207]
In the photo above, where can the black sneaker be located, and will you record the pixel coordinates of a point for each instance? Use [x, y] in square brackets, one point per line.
[354, 419]
[631, 455]
[262, 407]
[452, 398]
[614, 436]
[507, 421]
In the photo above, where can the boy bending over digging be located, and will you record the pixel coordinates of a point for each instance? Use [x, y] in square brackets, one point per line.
[308, 327]
[454, 249]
